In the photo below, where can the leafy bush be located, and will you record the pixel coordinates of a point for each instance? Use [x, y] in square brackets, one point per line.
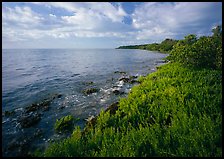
[64, 124]
[205, 52]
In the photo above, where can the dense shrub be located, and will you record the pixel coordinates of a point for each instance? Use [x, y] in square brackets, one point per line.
[64, 124]
[205, 52]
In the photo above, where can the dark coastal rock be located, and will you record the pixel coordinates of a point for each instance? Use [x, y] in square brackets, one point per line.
[54, 96]
[117, 92]
[13, 144]
[61, 107]
[43, 105]
[90, 91]
[34, 107]
[21, 145]
[59, 96]
[29, 120]
[112, 108]
[9, 113]
[88, 83]
[125, 79]
[129, 79]
[120, 72]
[91, 121]
[134, 81]
[76, 74]
[38, 133]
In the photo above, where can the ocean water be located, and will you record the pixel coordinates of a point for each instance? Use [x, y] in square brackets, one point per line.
[32, 75]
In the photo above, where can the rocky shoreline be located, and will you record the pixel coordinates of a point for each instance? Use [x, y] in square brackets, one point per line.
[31, 115]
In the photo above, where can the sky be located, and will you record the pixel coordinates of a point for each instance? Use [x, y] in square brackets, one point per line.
[104, 24]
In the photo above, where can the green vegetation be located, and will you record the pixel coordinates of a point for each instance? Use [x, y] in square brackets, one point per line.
[174, 112]
[64, 124]
[165, 46]
[202, 52]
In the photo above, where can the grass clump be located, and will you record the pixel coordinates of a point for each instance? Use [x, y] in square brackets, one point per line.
[64, 124]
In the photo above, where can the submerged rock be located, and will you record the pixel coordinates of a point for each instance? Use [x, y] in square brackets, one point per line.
[90, 91]
[112, 108]
[129, 79]
[44, 105]
[76, 74]
[59, 95]
[120, 72]
[88, 83]
[91, 122]
[117, 92]
[9, 113]
[134, 81]
[29, 120]
[125, 79]
[38, 133]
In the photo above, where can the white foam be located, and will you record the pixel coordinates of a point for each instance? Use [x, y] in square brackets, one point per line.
[19, 109]
[5, 121]
[120, 83]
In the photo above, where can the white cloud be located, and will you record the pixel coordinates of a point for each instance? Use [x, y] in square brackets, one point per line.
[151, 21]
[168, 19]
[101, 9]
[21, 15]
[86, 20]
[52, 15]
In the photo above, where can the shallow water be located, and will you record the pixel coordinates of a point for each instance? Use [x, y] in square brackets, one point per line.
[32, 75]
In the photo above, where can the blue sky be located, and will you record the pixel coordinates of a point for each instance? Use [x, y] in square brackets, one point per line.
[103, 24]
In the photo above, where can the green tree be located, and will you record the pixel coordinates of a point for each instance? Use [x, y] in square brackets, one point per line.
[203, 52]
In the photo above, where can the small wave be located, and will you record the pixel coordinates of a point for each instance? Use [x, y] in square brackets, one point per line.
[77, 74]
[26, 74]
[18, 109]
[7, 120]
[120, 83]
[20, 68]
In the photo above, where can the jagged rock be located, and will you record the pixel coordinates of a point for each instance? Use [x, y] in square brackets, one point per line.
[134, 81]
[38, 133]
[34, 107]
[125, 79]
[88, 83]
[120, 72]
[29, 120]
[129, 79]
[112, 108]
[91, 122]
[77, 74]
[117, 92]
[44, 105]
[90, 91]
[62, 107]
[9, 113]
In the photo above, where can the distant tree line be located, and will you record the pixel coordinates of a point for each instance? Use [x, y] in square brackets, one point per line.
[165, 46]
[205, 51]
